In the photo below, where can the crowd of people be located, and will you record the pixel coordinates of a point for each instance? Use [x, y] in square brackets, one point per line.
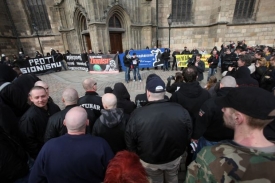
[226, 128]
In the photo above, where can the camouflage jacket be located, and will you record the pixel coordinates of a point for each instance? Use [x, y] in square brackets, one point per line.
[230, 163]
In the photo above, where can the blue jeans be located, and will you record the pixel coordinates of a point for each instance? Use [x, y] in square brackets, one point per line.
[63, 64]
[127, 74]
[211, 72]
[165, 66]
[136, 72]
[202, 143]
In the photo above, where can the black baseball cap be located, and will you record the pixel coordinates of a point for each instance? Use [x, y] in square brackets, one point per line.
[252, 101]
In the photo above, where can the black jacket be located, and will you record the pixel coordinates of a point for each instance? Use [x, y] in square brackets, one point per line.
[141, 100]
[158, 132]
[32, 126]
[123, 98]
[200, 69]
[127, 59]
[91, 101]
[55, 127]
[13, 159]
[268, 79]
[172, 88]
[209, 122]
[15, 94]
[111, 126]
[215, 61]
[243, 78]
[165, 55]
[191, 96]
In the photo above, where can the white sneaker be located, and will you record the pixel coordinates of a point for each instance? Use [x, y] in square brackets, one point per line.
[139, 80]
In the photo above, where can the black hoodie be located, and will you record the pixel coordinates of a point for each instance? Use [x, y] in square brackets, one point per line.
[243, 78]
[123, 98]
[191, 96]
[111, 126]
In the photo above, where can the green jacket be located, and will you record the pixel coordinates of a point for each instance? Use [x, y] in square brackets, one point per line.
[230, 163]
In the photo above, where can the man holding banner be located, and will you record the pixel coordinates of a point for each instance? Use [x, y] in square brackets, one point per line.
[135, 64]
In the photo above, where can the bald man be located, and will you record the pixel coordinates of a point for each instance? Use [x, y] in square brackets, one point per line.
[112, 123]
[91, 100]
[73, 157]
[34, 122]
[55, 127]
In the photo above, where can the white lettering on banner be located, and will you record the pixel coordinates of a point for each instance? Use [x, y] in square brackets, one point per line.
[78, 68]
[81, 63]
[70, 63]
[74, 58]
[38, 68]
[40, 61]
[91, 106]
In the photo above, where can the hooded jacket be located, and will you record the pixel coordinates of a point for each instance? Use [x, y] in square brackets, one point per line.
[209, 122]
[191, 96]
[111, 126]
[243, 78]
[123, 98]
[15, 94]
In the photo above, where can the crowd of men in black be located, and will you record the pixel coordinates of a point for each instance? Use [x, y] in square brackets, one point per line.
[20, 144]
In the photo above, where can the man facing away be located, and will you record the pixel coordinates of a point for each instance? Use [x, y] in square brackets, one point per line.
[249, 157]
[112, 123]
[91, 100]
[55, 126]
[74, 157]
[160, 138]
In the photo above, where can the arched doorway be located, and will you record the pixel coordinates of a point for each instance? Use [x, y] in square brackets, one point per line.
[82, 31]
[115, 31]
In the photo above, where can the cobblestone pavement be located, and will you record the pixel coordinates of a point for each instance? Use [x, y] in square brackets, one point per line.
[58, 81]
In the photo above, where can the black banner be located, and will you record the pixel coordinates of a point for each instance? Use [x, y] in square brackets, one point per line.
[40, 65]
[74, 62]
[104, 63]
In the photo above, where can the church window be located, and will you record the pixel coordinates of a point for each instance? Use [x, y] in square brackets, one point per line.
[181, 10]
[244, 10]
[114, 22]
[39, 14]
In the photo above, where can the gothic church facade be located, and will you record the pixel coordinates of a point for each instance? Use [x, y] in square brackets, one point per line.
[117, 25]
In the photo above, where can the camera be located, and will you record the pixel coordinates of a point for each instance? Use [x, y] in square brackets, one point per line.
[171, 77]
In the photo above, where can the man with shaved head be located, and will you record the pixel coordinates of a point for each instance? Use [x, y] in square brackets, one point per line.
[111, 124]
[46, 87]
[209, 128]
[55, 127]
[73, 157]
[34, 122]
[91, 100]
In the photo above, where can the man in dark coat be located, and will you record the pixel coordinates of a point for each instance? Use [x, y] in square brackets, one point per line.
[213, 64]
[55, 126]
[33, 123]
[73, 157]
[209, 128]
[112, 123]
[176, 52]
[190, 96]
[159, 133]
[91, 101]
[199, 65]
